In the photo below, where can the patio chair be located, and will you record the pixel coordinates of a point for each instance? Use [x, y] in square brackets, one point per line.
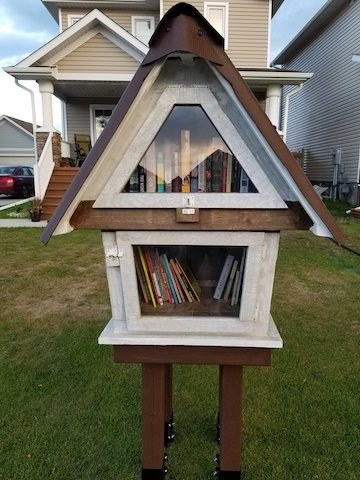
[82, 147]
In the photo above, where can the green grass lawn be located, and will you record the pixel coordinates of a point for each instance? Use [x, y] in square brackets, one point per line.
[69, 413]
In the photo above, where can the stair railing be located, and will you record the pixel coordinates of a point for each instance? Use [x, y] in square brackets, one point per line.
[43, 169]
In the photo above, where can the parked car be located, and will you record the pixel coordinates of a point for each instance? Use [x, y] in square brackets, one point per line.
[17, 181]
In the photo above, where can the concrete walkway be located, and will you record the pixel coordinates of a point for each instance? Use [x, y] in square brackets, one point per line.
[20, 223]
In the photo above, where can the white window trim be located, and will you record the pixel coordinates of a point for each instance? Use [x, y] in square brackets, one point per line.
[225, 6]
[134, 19]
[93, 107]
[71, 17]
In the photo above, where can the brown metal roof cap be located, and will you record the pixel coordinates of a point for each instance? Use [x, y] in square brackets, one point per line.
[184, 29]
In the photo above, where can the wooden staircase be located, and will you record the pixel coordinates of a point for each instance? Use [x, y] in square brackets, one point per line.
[59, 183]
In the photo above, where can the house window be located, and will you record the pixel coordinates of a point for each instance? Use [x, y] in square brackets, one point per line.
[73, 19]
[143, 28]
[99, 117]
[217, 14]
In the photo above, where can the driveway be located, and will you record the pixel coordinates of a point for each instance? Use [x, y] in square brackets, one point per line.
[5, 200]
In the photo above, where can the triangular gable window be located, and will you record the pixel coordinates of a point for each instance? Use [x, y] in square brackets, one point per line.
[188, 155]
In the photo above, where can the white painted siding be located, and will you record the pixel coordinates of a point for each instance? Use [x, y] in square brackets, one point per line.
[326, 115]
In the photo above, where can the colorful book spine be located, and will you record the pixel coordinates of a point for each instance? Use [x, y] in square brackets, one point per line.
[231, 279]
[224, 171]
[208, 170]
[177, 180]
[194, 177]
[134, 181]
[142, 179]
[153, 277]
[160, 172]
[170, 276]
[141, 278]
[147, 275]
[201, 174]
[185, 161]
[216, 171]
[168, 152]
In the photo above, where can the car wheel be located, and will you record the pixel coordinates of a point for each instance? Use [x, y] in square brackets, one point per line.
[25, 191]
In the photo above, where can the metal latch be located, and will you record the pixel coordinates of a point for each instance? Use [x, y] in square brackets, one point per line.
[114, 253]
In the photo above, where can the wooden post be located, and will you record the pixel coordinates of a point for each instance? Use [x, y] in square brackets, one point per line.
[153, 418]
[230, 421]
[169, 418]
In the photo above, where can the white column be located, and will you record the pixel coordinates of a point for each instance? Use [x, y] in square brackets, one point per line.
[46, 88]
[273, 100]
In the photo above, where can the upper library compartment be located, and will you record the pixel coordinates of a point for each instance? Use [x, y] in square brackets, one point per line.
[187, 155]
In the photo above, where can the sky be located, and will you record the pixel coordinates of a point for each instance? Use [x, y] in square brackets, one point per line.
[25, 25]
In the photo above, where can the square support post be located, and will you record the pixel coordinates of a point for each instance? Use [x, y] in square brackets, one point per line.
[169, 416]
[153, 418]
[231, 387]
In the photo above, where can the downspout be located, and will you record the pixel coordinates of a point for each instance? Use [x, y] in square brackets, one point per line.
[33, 113]
[287, 103]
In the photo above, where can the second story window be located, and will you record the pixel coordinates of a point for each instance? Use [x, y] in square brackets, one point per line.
[143, 28]
[217, 13]
[73, 19]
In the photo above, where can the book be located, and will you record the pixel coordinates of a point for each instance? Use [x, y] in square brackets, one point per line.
[150, 168]
[170, 277]
[190, 280]
[224, 171]
[194, 177]
[142, 179]
[181, 282]
[236, 289]
[229, 173]
[231, 279]
[185, 161]
[147, 275]
[168, 160]
[177, 180]
[208, 170]
[153, 277]
[236, 293]
[216, 171]
[201, 173]
[244, 181]
[177, 284]
[160, 172]
[141, 278]
[134, 185]
[223, 277]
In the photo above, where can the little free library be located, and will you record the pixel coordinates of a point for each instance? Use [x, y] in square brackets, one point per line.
[191, 186]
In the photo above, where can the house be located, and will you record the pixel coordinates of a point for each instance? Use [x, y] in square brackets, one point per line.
[16, 142]
[102, 43]
[324, 117]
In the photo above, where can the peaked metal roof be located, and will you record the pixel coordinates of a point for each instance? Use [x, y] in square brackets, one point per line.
[184, 29]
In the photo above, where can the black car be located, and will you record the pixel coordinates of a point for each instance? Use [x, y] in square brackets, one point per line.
[17, 180]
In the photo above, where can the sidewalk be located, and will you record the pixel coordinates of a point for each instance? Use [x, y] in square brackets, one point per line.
[20, 223]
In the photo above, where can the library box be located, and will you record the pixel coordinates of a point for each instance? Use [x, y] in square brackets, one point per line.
[191, 186]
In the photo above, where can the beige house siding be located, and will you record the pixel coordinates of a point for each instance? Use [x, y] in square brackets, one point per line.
[121, 17]
[248, 31]
[98, 55]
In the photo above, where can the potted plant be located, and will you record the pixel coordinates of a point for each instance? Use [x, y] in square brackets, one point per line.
[36, 210]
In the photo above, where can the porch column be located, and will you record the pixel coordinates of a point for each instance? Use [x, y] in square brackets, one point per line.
[46, 89]
[273, 99]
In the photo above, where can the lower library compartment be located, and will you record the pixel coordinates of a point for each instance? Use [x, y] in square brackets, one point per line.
[190, 281]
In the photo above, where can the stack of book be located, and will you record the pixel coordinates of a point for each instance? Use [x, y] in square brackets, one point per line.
[175, 168]
[229, 285]
[163, 279]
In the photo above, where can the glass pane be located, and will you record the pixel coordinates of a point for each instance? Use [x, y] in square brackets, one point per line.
[215, 16]
[189, 155]
[143, 30]
[190, 280]
[102, 116]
